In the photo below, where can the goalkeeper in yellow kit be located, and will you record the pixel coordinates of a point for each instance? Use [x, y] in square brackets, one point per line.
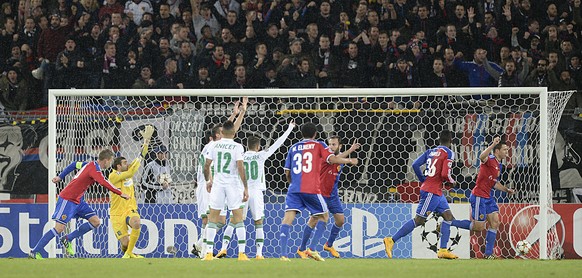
[123, 212]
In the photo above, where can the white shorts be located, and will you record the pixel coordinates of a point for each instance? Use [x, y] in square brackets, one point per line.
[256, 204]
[222, 196]
[202, 200]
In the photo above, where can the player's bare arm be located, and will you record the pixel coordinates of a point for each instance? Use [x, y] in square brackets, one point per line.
[241, 172]
[235, 111]
[483, 156]
[355, 146]
[241, 114]
[207, 175]
[333, 159]
[501, 187]
[288, 175]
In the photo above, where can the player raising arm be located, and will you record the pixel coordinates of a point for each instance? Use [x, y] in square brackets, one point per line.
[202, 195]
[303, 170]
[124, 213]
[227, 187]
[254, 163]
[484, 208]
[438, 163]
[71, 204]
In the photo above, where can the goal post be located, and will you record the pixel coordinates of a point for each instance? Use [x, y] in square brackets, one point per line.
[393, 125]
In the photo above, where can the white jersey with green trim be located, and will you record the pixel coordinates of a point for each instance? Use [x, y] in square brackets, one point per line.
[204, 154]
[224, 155]
[254, 162]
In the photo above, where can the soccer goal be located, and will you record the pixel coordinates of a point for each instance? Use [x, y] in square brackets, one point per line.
[393, 126]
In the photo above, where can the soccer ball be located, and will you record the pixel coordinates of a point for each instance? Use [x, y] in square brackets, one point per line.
[165, 178]
[523, 247]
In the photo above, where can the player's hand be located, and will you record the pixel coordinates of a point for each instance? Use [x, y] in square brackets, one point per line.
[355, 145]
[450, 184]
[245, 102]
[209, 185]
[245, 195]
[124, 196]
[56, 179]
[292, 123]
[165, 185]
[496, 140]
[235, 109]
[510, 191]
[354, 161]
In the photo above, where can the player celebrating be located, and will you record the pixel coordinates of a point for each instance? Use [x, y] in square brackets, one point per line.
[71, 204]
[303, 169]
[438, 163]
[202, 195]
[330, 176]
[225, 188]
[254, 163]
[483, 206]
[124, 213]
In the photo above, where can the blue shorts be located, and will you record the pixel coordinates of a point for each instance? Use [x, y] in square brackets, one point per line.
[334, 205]
[67, 210]
[430, 202]
[481, 207]
[314, 203]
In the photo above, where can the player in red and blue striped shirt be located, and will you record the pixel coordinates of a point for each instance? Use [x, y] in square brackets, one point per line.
[303, 169]
[71, 203]
[438, 163]
[484, 208]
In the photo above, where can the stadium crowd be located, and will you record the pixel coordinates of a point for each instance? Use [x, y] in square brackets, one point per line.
[285, 43]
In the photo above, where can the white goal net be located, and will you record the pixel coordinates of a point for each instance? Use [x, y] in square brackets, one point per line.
[379, 194]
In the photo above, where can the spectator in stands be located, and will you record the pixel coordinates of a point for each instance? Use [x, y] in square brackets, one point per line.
[110, 7]
[70, 67]
[302, 76]
[403, 74]
[206, 42]
[240, 80]
[539, 76]
[437, 78]
[229, 42]
[135, 9]
[170, 80]
[187, 63]
[29, 34]
[261, 60]
[50, 43]
[453, 40]
[321, 58]
[202, 16]
[164, 21]
[203, 79]
[576, 70]
[475, 70]
[145, 80]
[563, 83]
[511, 76]
[270, 78]
[351, 69]
[7, 40]
[14, 90]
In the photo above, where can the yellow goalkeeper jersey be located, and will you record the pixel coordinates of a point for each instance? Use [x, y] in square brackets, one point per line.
[124, 181]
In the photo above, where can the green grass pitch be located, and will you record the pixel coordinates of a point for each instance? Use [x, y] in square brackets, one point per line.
[357, 268]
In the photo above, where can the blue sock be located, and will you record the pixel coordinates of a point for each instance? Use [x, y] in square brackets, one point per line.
[490, 241]
[45, 239]
[404, 230]
[306, 237]
[83, 229]
[445, 233]
[463, 224]
[284, 240]
[333, 235]
[319, 230]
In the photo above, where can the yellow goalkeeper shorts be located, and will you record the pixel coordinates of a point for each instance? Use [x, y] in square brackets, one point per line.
[120, 223]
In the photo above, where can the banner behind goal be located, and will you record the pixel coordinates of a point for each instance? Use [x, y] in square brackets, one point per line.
[379, 194]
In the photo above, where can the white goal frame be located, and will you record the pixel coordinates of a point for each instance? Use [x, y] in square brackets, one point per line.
[367, 92]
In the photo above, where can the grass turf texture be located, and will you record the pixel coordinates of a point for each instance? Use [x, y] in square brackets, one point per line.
[357, 268]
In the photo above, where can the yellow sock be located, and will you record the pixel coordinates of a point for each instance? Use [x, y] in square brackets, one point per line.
[132, 240]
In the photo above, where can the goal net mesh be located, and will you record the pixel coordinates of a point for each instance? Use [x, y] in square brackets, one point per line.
[379, 194]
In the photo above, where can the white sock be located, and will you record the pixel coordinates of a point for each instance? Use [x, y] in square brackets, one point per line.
[241, 235]
[210, 235]
[226, 238]
[260, 239]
